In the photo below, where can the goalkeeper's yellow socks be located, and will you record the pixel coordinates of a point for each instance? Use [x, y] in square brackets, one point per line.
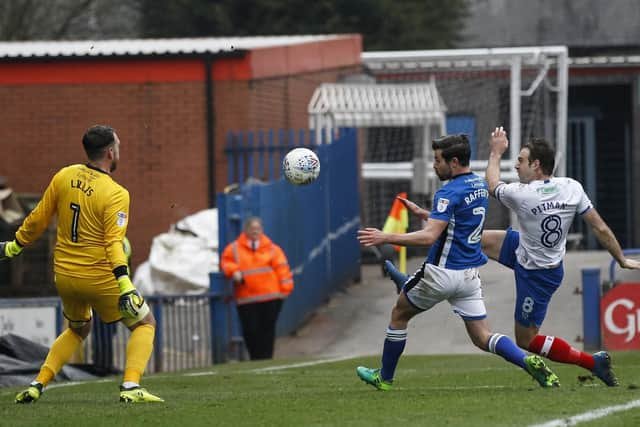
[139, 350]
[61, 351]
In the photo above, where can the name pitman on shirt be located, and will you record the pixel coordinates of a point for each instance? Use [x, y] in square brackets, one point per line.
[543, 207]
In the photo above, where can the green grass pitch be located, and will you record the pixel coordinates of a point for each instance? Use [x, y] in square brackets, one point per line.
[457, 390]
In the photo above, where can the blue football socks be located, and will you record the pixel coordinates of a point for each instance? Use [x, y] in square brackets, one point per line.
[393, 348]
[503, 346]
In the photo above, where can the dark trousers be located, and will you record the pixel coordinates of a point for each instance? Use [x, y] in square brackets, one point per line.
[259, 327]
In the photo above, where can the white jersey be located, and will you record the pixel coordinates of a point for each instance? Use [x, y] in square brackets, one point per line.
[545, 211]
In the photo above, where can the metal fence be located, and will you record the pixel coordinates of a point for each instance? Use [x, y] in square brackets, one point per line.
[259, 154]
[189, 331]
[183, 336]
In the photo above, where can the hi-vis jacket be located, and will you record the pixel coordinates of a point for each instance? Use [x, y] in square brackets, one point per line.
[265, 270]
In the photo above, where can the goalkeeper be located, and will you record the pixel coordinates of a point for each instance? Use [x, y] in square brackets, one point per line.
[89, 262]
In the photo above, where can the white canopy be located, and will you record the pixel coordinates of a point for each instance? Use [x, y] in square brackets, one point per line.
[335, 105]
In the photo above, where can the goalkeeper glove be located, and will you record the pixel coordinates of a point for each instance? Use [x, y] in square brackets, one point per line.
[130, 302]
[9, 249]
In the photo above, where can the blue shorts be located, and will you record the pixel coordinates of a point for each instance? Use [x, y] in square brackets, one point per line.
[534, 288]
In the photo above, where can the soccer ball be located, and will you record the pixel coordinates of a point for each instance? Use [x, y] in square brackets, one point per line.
[301, 166]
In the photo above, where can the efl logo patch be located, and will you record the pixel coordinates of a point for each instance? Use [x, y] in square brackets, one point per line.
[442, 205]
[122, 219]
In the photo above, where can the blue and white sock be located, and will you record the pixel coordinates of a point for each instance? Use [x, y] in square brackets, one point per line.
[393, 347]
[503, 346]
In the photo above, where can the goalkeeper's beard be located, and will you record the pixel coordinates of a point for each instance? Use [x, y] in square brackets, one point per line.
[114, 166]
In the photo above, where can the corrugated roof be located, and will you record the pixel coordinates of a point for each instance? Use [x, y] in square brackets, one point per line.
[150, 47]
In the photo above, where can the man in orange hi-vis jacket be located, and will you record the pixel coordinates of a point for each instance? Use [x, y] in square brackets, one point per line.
[262, 280]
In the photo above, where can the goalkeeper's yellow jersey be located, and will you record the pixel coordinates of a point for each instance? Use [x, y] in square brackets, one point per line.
[93, 212]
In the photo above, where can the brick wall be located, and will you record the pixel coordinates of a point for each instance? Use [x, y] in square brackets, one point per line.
[163, 152]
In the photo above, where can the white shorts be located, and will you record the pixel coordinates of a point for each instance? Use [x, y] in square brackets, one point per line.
[462, 288]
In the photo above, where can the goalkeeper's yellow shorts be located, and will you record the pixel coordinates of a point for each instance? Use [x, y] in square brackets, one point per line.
[79, 295]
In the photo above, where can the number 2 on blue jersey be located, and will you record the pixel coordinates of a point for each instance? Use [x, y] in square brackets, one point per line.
[476, 235]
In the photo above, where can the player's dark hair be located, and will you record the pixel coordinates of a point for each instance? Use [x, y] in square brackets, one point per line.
[454, 146]
[96, 140]
[540, 149]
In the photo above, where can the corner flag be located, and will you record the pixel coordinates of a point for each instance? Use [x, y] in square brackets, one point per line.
[398, 222]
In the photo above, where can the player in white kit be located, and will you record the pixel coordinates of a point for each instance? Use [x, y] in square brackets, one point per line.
[545, 207]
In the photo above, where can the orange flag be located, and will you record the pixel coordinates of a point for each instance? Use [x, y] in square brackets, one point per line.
[398, 222]
[398, 219]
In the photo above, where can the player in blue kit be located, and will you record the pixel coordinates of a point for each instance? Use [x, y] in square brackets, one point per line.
[450, 271]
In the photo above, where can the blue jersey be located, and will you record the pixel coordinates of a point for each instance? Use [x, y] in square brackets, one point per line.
[463, 202]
